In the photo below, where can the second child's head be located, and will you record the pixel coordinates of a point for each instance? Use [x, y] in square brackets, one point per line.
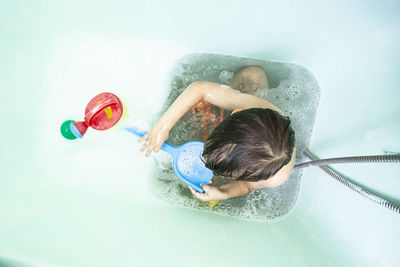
[250, 145]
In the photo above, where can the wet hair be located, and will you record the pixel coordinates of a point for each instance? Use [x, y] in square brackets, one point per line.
[250, 145]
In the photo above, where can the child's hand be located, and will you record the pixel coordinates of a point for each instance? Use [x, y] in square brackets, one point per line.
[155, 138]
[210, 193]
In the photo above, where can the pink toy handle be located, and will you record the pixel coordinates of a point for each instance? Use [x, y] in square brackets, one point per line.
[110, 100]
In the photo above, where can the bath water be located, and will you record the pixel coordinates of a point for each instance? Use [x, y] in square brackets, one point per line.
[292, 88]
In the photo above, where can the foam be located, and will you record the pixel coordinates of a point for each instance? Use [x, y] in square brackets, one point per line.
[225, 76]
[293, 89]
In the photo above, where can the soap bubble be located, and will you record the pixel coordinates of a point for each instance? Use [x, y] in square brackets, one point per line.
[225, 76]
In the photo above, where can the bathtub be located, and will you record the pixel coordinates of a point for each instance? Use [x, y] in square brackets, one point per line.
[88, 203]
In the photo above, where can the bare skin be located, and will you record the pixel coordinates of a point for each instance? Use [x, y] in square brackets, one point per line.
[247, 80]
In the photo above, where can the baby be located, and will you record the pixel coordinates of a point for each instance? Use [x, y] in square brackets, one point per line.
[253, 147]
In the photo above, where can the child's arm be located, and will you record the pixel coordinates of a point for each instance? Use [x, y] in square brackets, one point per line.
[241, 188]
[160, 131]
[222, 192]
[217, 94]
[231, 99]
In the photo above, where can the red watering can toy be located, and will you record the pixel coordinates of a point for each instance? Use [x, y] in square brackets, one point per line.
[102, 112]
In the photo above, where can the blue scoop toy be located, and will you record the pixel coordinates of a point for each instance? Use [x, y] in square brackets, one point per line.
[186, 161]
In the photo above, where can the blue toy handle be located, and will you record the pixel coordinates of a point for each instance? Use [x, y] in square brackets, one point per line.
[167, 147]
[136, 131]
[172, 150]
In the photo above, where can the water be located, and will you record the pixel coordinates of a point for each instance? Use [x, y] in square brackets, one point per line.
[293, 89]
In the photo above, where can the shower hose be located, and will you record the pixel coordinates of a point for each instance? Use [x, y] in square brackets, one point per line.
[345, 180]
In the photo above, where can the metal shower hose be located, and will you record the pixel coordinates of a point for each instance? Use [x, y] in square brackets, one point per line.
[341, 178]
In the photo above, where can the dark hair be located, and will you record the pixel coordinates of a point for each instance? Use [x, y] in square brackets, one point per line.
[250, 145]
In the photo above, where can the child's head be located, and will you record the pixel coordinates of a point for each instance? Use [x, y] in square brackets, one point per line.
[250, 145]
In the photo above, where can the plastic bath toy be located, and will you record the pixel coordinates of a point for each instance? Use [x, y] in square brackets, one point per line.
[207, 113]
[103, 112]
[186, 161]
